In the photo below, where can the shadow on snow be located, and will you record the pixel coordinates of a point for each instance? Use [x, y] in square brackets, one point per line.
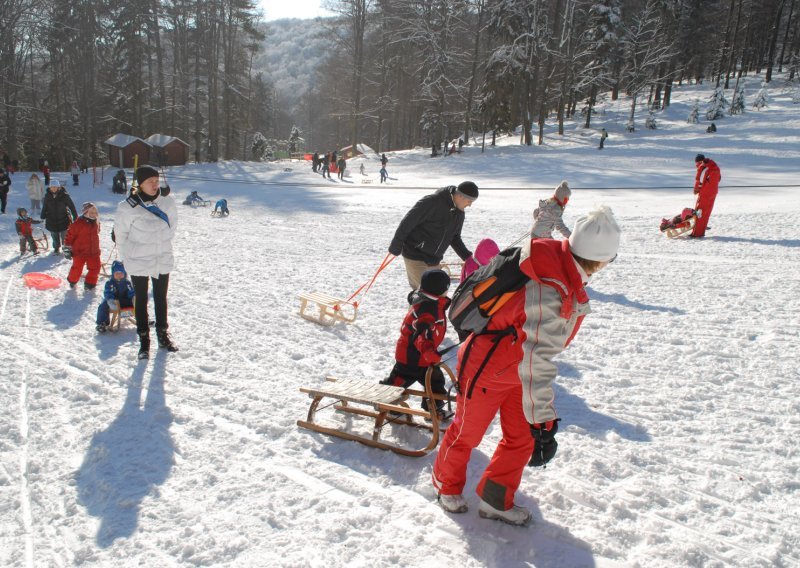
[129, 459]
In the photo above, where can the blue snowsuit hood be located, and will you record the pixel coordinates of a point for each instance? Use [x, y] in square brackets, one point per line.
[117, 266]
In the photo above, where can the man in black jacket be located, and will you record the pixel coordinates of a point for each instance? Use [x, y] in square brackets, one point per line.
[432, 225]
[5, 185]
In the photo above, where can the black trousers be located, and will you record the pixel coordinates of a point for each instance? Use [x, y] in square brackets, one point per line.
[160, 287]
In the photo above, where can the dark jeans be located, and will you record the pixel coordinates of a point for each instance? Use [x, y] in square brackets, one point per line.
[3, 200]
[75, 180]
[58, 237]
[160, 287]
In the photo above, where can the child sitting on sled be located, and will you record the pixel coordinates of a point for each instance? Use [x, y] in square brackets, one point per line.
[25, 231]
[548, 215]
[684, 216]
[422, 332]
[117, 293]
[193, 199]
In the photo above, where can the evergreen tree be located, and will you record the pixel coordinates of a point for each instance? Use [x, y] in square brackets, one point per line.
[259, 148]
[717, 104]
[295, 140]
[738, 104]
[650, 122]
[693, 114]
[762, 98]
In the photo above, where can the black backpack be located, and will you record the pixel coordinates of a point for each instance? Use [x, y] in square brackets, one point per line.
[485, 291]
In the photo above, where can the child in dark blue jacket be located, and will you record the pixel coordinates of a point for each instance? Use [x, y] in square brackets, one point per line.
[118, 293]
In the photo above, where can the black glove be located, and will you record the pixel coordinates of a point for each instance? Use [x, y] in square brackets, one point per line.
[545, 445]
[67, 253]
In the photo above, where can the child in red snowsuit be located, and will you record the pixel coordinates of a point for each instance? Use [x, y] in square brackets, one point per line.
[706, 186]
[422, 332]
[25, 231]
[513, 369]
[83, 245]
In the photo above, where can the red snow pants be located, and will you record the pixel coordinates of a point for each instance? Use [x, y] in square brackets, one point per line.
[473, 416]
[92, 263]
[705, 202]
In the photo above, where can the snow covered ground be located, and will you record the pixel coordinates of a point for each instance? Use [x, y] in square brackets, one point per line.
[679, 397]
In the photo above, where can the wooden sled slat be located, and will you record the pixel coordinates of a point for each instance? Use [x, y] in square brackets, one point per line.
[381, 403]
[120, 315]
[329, 310]
[681, 228]
[453, 269]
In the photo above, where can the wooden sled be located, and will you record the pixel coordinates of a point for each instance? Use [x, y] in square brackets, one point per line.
[329, 310]
[453, 269]
[120, 315]
[41, 241]
[681, 228]
[376, 401]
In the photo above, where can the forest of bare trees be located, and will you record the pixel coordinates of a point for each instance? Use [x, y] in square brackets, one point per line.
[397, 73]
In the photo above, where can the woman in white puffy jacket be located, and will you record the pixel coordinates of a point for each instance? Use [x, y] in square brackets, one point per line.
[144, 227]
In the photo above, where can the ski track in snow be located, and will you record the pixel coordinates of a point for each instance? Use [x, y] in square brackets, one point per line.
[680, 429]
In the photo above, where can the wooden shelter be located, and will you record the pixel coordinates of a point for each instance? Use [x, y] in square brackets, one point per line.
[122, 148]
[167, 150]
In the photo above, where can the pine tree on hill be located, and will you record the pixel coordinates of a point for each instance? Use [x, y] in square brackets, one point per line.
[717, 104]
[737, 105]
[693, 114]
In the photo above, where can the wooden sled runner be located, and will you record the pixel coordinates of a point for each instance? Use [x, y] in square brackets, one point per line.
[376, 402]
[453, 269]
[40, 238]
[326, 310]
[681, 228]
[120, 315]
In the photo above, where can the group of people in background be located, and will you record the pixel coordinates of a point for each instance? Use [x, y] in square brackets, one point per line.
[324, 164]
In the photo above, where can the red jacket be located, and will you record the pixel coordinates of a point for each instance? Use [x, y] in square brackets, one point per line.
[83, 237]
[423, 330]
[708, 176]
[24, 226]
[541, 319]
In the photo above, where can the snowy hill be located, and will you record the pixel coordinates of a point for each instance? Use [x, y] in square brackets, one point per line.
[679, 399]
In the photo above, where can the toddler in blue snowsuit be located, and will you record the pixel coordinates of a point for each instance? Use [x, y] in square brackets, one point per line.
[117, 293]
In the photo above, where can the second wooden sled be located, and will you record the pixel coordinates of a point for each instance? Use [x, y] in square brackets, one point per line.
[384, 404]
[326, 310]
[681, 228]
[40, 240]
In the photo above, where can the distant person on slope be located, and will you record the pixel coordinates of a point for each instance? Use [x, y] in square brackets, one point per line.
[432, 225]
[548, 215]
[706, 186]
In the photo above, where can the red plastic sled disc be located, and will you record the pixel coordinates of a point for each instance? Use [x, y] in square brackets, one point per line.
[41, 281]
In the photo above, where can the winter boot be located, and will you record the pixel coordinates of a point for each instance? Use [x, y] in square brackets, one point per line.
[453, 503]
[88, 286]
[165, 341]
[518, 516]
[144, 344]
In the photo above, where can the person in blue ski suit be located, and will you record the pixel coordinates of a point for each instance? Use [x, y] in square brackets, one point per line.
[117, 293]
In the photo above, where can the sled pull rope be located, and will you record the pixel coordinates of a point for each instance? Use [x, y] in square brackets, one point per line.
[368, 284]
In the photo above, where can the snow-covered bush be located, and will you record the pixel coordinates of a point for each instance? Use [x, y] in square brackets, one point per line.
[737, 104]
[650, 122]
[259, 147]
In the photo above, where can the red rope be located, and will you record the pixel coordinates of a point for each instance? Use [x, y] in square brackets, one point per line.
[368, 284]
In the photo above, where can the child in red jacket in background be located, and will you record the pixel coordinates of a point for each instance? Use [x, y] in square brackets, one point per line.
[83, 245]
[25, 231]
[422, 332]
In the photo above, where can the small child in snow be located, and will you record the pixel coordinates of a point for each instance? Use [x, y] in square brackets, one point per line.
[422, 332]
[83, 246]
[25, 231]
[117, 293]
[193, 199]
[384, 174]
[222, 206]
[486, 250]
[548, 215]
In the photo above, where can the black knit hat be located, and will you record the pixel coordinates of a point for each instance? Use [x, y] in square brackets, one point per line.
[145, 172]
[435, 282]
[699, 158]
[468, 189]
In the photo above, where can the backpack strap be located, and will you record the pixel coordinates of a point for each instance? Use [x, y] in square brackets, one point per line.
[498, 334]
